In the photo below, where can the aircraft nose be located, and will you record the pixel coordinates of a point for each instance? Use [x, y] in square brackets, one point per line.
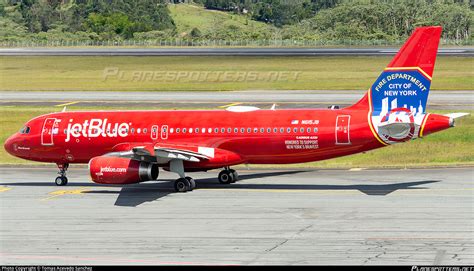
[9, 145]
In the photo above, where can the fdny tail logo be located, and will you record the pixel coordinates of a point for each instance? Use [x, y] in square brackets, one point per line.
[398, 103]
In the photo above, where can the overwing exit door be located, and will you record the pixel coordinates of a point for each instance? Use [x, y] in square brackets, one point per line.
[342, 130]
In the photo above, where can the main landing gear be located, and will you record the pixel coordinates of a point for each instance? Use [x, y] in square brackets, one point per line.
[228, 176]
[185, 183]
[61, 179]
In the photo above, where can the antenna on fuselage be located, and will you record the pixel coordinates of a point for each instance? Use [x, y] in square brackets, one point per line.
[273, 107]
[64, 109]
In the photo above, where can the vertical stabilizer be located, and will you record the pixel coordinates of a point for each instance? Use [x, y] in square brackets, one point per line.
[400, 93]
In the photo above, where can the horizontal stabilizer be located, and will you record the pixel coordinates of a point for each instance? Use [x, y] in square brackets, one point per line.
[456, 115]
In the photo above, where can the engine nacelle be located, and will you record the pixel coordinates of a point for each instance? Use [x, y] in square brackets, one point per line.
[116, 170]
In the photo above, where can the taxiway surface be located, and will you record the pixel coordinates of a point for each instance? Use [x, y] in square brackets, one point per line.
[414, 216]
[452, 100]
[461, 51]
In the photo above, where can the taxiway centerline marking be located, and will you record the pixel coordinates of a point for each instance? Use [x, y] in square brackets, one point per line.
[4, 189]
[228, 105]
[58, 193]
[65, 104]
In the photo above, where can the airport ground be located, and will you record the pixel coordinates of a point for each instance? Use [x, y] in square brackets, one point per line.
[361, 217]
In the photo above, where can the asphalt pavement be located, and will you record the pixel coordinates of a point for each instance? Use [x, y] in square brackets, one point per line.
[297, 217]
[219, 51]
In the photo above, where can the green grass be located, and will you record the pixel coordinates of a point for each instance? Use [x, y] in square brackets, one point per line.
[187, 17]
[331, 73]
[454, 146]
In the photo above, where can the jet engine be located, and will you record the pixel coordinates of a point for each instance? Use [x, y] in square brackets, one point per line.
[116, 170]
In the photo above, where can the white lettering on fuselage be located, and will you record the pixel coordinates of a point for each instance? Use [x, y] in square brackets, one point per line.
[96, 128]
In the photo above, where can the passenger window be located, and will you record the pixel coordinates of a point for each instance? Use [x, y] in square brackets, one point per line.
[144, 131]
[282, 130]
[301, 130]
[295, 130]
[255, 130]
[196, 130]
[288, 130]
[222, 130]
[132, 130]
[184, 130]
[229, 130]
[315, 130]
[138, 131]
[249, 130]
[242, 130]
[171, 130]
[269, 130]
[209, 130]
[275, 130]
[190, 130]
[203, 130]
[236, 130]
[216, 130]
[308, 130]
[262, 130]
[177, 130]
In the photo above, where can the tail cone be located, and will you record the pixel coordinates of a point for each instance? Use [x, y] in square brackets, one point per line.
[435, 123]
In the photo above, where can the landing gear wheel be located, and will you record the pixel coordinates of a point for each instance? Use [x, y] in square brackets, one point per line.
[182, 185]
[61, 180]
[234, 174]
[191, 182]
[226, 177]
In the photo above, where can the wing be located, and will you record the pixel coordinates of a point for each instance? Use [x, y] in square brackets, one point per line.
[163, 154]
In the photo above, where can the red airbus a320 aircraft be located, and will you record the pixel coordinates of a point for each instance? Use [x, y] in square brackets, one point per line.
[124, 147]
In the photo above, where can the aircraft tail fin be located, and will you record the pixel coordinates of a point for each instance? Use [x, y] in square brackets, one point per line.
[405, 82]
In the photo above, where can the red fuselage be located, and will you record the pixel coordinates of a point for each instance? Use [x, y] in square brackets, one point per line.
[259, 137]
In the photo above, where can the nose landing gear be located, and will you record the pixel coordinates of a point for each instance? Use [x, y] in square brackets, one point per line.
[61, 179]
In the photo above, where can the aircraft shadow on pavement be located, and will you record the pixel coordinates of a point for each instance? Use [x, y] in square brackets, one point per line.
[368, 189]
[136, 194]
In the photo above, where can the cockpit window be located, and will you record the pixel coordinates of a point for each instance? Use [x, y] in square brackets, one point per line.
[25, 130]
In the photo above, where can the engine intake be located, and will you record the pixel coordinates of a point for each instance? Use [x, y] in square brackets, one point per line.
[116, 170]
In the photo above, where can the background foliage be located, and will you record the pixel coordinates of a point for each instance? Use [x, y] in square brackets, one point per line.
[97, 20]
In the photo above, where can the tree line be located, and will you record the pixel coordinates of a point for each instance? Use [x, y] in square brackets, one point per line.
[285, 19]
